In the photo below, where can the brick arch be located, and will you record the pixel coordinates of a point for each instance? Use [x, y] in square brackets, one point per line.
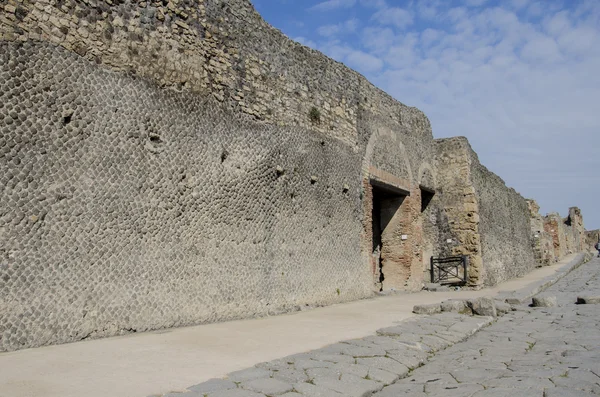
[378, 136]
[427, 176]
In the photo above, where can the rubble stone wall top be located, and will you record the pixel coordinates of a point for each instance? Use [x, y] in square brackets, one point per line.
[217, 47]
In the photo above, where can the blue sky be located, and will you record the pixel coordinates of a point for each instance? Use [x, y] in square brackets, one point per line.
[519, 78]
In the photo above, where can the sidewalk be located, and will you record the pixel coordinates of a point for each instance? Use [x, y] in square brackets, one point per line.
[139, 365]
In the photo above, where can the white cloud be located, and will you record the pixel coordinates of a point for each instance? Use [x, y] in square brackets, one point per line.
[541, 49]
[349, 26]
[378, 40]
[374, 3]
[364, 62]
[394, 16]
[333, 5]
[427, 9]
[429, 36]
[475, 3]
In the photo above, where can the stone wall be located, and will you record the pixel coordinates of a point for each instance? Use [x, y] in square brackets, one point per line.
[543, 245]
[504, 226]
[457, 218]
[591, 238]
[567, 235]
[221, 48]
[165, 167]
[487, 221]
[168, 163]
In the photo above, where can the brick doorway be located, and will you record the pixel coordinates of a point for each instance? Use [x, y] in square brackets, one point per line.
[387, 235]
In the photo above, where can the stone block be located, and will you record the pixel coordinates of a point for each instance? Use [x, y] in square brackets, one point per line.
[502, 307]
[588, 300]
[455, 305]
[268, 386]
[427, 309]
[212, 385]
[249, 374]
[235, 393]
[484, 306]
[543, 301]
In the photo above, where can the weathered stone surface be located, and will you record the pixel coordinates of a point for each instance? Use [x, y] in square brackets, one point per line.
[235, 393]
[290, 375]
[268, 386]
[349, 385]
[502, 307]
[543, 301]
[248, 374]
[384, 363]
[566, 392]
[484, 306]
[427, 309]
[212, 385]
[456, 390]
[588, 300]
[310, 390]
[455, 305]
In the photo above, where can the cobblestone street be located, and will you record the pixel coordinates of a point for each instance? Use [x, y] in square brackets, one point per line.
[529, 351]
[546, 352]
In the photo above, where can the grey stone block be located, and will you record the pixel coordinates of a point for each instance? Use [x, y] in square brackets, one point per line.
[384, 363]
[382, 376]
[483, 306]
[455, 305]
[310, 390]
[235, 393]
[507, 392]
[396, 390]
[268, 386]
[565, 392]
[427, 309]
[290, 375]
[444, 389]
[350, 385]
[543, 301]
[502, 307]
[249, 374]
[212, 385]
[588, 300]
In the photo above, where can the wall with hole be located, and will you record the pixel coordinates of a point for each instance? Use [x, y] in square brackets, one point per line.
[129, 208]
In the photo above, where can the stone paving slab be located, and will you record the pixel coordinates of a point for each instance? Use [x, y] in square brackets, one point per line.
[357, 367]
[533, 351]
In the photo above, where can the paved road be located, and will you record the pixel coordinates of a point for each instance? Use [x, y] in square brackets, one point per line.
[543, 352]
[531, 352]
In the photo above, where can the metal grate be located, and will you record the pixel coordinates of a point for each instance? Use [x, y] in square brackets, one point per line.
[449, 270]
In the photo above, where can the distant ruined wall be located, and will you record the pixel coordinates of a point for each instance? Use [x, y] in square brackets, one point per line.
[543, 244]
[567, 235]
[591, 238]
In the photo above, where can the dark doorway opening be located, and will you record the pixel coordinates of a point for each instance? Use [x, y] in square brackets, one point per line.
[386, 203]
[426, 197]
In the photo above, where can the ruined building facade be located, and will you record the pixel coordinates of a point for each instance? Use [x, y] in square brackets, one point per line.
[174, 163]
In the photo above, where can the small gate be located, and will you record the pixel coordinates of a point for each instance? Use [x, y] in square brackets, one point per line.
[450, 270]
